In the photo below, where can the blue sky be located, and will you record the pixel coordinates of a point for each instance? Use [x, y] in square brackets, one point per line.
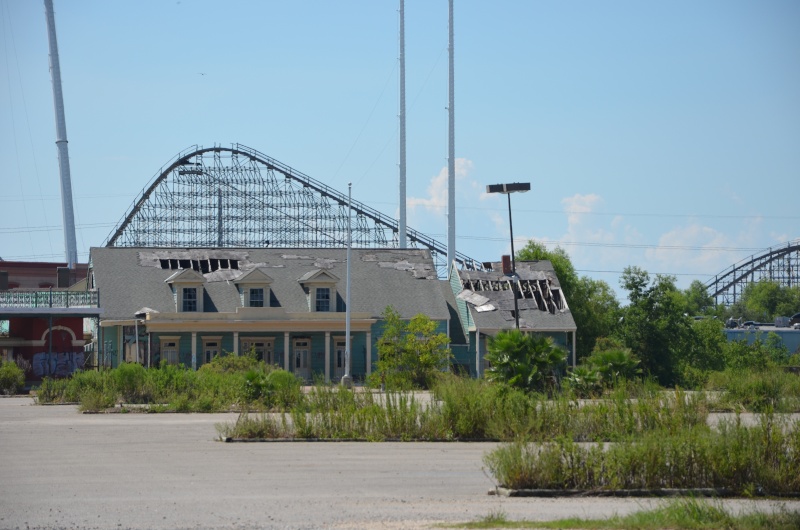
[659, 134]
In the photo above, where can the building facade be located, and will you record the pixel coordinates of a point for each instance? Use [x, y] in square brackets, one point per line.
[185, 306]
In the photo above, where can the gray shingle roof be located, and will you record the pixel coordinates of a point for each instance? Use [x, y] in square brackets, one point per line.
[493, 309]
[129, 279]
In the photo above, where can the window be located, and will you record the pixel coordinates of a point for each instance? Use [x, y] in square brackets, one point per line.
[210, 349]
[257, 297]
[169, 351]
[262, 347]
[301, 348]
[190, 299]
[340, 353]
[323, 299]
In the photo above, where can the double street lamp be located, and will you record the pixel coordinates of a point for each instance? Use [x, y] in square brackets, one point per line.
[508, 189]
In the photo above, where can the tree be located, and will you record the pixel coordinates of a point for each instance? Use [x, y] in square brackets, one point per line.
[596, 312]
[764, 300]
[410, 353]
[706, 353]
[562, 264]
[655, 325]
[593, 304]
[698, 301]
[523, 361]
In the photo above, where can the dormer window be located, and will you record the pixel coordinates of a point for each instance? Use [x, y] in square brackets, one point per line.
[254, 288]
[320, 287]
[189, 299]
[256, 297]
[323, 299]
[187, 290]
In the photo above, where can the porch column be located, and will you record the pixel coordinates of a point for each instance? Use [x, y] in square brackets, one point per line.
[286, 351]
[194, 350]
[574, 350]
[477, 353]
[236, 343]
[327, 356]
[369, 352]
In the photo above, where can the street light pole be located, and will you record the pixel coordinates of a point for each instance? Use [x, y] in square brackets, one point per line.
[347, 379]
[508, 189]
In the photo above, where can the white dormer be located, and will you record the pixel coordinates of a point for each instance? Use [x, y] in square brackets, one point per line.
[187, 290]
[254, 288]
[320, 286]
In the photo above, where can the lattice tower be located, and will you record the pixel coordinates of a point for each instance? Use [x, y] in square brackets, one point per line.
[238, 197]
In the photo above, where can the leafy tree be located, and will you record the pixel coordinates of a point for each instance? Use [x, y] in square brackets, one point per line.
[410, 353]
[596, 312]
[562, 264]
[593, 304]
[698, 301]
[523, 361]
[655, 325]
[706, 353]
[764, 300]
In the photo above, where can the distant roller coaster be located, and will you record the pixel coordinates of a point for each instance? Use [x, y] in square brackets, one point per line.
[238, 197]
[777, 264]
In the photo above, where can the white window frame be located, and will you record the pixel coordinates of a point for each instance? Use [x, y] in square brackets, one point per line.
[317, 291]
[264, 300]
[267, 349]
[170, 344]
[304, 362]
[184, 292]
[216, 341]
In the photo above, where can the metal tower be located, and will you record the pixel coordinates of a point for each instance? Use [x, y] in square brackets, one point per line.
[70, 247]
[238, 197]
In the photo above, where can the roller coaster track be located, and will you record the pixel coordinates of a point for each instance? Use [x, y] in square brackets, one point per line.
[238, 197]
[777, 264]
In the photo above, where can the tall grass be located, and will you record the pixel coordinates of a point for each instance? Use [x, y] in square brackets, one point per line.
[468, 409]
[742, 460]
[757, 391]
[217, 386]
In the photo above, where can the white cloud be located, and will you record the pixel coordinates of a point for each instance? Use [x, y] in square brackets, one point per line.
[678, 249]
[436, 200]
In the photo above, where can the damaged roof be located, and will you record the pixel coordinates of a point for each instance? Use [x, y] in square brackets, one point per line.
[131, 278]
[489, 297]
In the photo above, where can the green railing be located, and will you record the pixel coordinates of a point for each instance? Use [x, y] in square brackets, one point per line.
[35, 298]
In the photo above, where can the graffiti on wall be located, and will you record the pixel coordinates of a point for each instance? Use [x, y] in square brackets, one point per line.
[57, 364]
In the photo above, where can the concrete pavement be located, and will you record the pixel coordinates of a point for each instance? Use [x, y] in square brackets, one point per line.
[63, 469]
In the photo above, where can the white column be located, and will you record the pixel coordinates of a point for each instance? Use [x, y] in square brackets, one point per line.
[477, 353]
[369, 352]
[327, 356]
[286, 351]
[236, 343]
[574, 350]
[194, 350]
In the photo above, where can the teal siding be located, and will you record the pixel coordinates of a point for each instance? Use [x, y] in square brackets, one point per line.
[463, 311]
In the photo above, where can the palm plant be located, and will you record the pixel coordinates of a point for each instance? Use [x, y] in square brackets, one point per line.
[523, 361]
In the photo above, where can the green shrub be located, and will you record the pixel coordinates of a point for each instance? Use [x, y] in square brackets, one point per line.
[51, 390]
[130, 382]
[97, 399]
[12, 377]
[742, 460]
[229, 363]
[585, 381]
[283, 389]
[527, 362]
[757, 391]
[614, 364]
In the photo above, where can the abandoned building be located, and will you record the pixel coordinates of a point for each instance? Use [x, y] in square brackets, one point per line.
[485, 300]
[184, 306]
[45, 309]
